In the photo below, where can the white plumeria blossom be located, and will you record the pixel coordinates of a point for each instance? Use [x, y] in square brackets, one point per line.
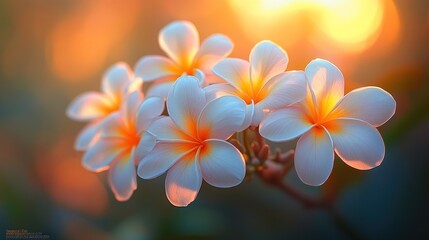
[123, 141]
[94, 107]
[180, 41]
[262, 83]
[327, 121]
[191, 142]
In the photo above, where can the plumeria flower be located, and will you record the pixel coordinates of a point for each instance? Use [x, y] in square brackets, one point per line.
[262, 83]
[96, 106]
[191, 142]
[123, 141]
[180, 41]
[328, 121]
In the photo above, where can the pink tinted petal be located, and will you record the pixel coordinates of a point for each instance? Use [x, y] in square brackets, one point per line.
[160, 89]
[184, 103]
[164, 129]
[284, 124]
[211, 78]
[161, 158]
[326, 82]
[267, 59]
[222, 165]
[115, 79]
[180, 41]
[285, 89]
[370, 104]
[212, 50]
[145, 146]
[100, 155]
[88, 136]
[150, 68]
[183, 181]
[357, 143]
[234, 71]
[314, 157]
[218, 90]
[89, 106]
[122, 176]
[149, 109]
[221, 117]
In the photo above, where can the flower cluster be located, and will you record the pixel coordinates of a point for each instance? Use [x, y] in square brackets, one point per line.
[212, 103]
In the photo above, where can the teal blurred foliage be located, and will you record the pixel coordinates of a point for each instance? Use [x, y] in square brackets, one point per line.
[43, 187]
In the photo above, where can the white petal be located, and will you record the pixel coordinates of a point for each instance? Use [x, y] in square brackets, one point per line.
[218, 90]
[183, 181]
[89, 106]
[249, 116]
[160, 89]
[285, 89]
[370, 104]
[150, 68]
[180, 41]
[115, 79]
[122, 176]
[357, 143]
[314, 157]
[326, 82]
[88, 136]
[258, 115]
[211, 78]
[267, 59]
[221, 117]
[234, 71]
[100, 155]
[222, 165]
[161, 158]
[284, 124]
[130, 107]
[145, 146]
[149, 109]
[113, 126]
[135, 85]
[164, 129]
[184, 103]
[212, 50]
[201, 76]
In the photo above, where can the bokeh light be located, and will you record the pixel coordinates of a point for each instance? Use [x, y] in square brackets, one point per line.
[52, 51]
[79, 43]
[349, 26]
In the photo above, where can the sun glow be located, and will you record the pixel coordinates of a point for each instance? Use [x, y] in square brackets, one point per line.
[347, 25]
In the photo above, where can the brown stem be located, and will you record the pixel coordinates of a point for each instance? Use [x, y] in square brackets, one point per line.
[304, 200]
[247, 145]
[312, 203]
[276, 179]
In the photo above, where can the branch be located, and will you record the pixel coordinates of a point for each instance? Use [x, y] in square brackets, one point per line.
[312, 203]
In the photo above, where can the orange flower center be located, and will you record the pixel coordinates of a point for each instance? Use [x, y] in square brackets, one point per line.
[322, 112]
[252, 91]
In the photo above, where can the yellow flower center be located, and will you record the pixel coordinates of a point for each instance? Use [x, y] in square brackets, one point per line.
[252, 91]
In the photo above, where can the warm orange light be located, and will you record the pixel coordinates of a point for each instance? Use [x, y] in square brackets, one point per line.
[82, 40]
[262, 7]
[68, 183]
[269, 19]
[350, 26]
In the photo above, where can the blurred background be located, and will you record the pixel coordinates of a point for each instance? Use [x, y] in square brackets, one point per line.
[52, 51]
